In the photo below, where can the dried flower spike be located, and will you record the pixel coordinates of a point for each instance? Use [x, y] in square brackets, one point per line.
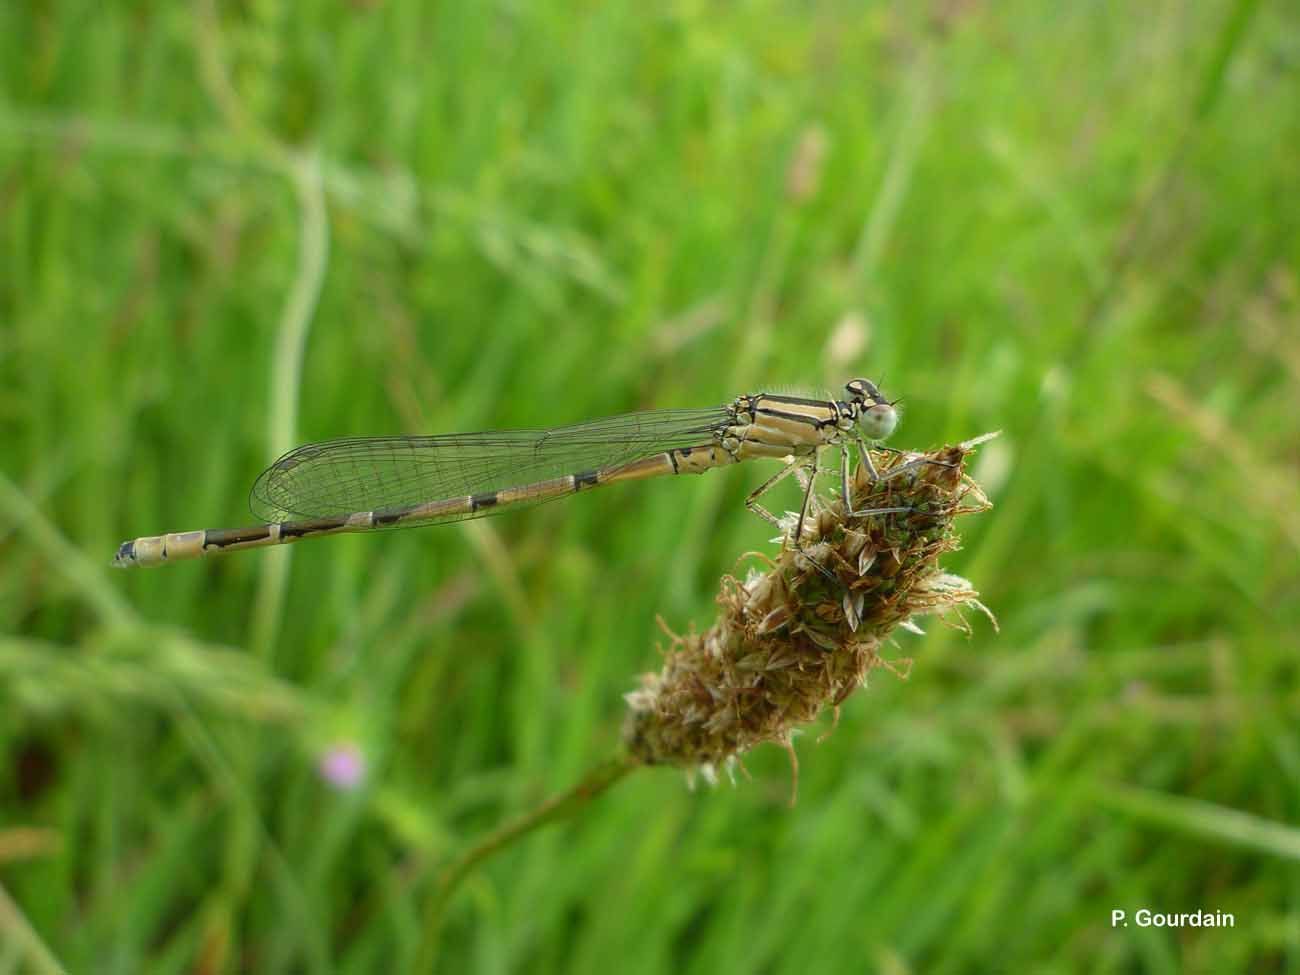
[804, 634]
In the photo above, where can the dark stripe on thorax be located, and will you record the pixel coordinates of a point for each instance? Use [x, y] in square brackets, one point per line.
[794, 400]
[811, 421]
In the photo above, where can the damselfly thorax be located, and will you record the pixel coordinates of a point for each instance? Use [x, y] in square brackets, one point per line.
[369, 484]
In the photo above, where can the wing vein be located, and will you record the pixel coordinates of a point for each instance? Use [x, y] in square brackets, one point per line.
[339, 477]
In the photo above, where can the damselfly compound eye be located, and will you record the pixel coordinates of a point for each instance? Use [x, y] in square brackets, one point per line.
[878, 421]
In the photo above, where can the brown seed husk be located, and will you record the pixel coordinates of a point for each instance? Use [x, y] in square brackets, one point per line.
[803, 634]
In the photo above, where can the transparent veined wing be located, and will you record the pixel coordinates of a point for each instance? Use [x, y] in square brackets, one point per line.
[336, 478]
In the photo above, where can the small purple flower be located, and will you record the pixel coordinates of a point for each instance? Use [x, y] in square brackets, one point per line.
[343, 766]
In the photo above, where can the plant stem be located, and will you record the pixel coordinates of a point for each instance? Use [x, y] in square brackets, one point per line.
[17, 933]
[595, 782]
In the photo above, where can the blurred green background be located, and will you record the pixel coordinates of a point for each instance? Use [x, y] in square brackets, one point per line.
[229, 228]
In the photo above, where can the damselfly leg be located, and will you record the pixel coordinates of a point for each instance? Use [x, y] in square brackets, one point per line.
[876, 477]
[751, 502]
[807, 470]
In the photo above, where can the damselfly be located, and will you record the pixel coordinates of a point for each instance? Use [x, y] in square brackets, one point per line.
[394, 482]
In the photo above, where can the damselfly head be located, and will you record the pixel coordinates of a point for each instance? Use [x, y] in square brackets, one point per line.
[877, 415]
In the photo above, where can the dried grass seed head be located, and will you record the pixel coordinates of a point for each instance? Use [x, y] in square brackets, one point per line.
[803, 633]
